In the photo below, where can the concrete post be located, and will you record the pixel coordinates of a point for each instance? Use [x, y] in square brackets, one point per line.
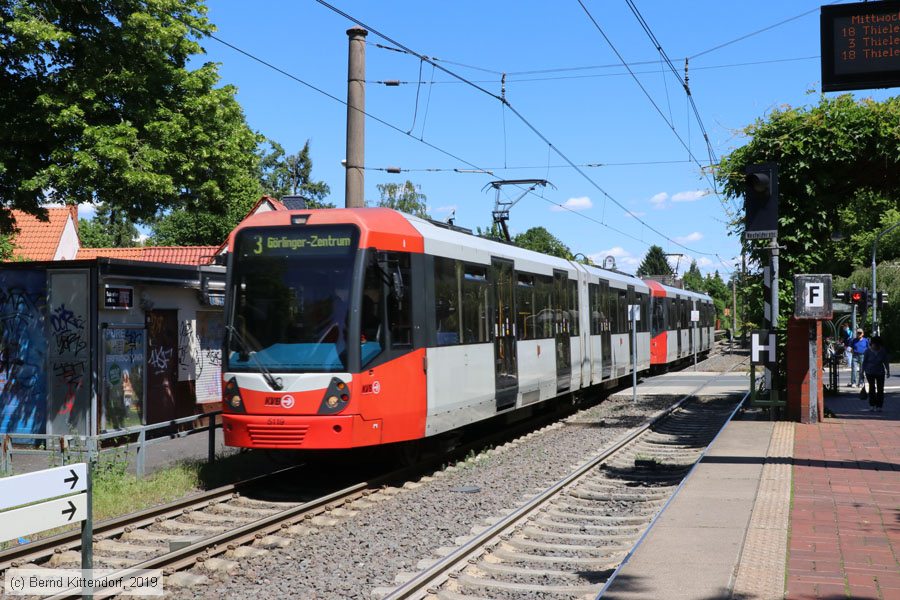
[356, 120]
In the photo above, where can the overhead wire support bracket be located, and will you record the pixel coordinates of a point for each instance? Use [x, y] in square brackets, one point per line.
[502, 206]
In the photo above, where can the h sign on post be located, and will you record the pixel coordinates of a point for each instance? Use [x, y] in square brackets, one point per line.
[762, 347]
[812, 296]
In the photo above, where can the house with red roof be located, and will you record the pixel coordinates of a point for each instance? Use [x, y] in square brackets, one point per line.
[54, 239]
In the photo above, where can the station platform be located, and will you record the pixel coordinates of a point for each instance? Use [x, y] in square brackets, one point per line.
[783, 510]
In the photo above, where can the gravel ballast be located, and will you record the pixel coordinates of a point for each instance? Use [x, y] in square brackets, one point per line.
[395, 531]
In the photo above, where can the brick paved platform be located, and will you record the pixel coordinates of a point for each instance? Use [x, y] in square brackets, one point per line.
[784, 510]
[845, 518]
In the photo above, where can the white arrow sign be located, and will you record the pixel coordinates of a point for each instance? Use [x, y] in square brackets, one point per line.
[40, 485]
[38, 517]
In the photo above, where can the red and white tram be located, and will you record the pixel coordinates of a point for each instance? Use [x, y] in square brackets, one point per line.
[359, 327]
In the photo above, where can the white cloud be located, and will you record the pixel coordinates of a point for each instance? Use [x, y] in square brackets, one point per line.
[705, 263]
[623, 257]
[689, 196]
[579, 203]
[695, 236]
[659, 200]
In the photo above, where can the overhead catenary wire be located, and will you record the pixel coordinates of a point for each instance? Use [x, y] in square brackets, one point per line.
[683, 81]
[653, 102]
[396, 82]
[447, 153]
[514, 111]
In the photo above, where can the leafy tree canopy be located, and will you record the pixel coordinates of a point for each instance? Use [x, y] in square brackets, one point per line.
[282, 175]
[693, 280]
[839, 169]
[654, 263]
[110, 228]
[404, 197]
[541, 240]
[97, 105]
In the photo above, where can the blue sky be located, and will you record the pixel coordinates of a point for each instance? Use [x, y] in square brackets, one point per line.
[559, 80]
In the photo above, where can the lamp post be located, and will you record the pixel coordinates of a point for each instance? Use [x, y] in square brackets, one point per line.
[874, 270]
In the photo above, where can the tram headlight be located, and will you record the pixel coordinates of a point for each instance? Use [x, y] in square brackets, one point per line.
[336, 397]
[232, 395]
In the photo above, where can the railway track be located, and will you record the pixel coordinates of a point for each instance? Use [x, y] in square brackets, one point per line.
[569, 540]
[220, 527]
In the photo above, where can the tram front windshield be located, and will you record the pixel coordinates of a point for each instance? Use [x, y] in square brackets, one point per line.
[291, 299]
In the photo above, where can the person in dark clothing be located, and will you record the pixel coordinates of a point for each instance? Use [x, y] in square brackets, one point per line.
[876, 366]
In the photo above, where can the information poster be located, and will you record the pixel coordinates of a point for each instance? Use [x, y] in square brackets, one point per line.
[123, 377]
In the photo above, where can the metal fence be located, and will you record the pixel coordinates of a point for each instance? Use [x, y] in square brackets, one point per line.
[91, 447]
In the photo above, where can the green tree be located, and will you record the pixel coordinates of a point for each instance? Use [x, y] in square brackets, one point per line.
[404, 197]
[693, 279]
[654, 263]
[541, 240]
[282, 175]
[7, 246]
[839, 169]
[97, 105]
[110, 228]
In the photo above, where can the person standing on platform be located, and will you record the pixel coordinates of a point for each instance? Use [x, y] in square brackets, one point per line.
[876, 366]
[859, 345]
[847, 339]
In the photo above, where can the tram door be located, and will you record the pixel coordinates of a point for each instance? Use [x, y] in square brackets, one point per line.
[630, 300]
[679, 322]
[690, 325]
[562, 331]
[606, 313]
[506, 369]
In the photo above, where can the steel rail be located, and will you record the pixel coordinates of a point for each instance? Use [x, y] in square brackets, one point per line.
[428, 580]
[71, 540]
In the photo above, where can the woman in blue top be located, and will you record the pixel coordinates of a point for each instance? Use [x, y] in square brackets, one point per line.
[859, 345]
[875, 365]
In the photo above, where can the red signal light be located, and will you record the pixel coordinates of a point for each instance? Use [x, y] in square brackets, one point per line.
[856, 297]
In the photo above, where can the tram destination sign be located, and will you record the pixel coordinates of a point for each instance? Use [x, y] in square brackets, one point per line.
[297, 241]
[860, 45]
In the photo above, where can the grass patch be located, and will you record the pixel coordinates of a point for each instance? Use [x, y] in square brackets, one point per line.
[117, 492]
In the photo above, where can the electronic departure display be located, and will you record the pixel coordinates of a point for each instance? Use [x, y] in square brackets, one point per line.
[860, 45]
[293, 241]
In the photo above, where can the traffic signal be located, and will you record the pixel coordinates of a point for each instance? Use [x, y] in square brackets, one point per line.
[860, 298]
[761, 201]
[881, 298]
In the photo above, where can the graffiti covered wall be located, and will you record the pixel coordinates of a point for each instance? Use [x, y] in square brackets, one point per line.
[69, 353]
[23, 346]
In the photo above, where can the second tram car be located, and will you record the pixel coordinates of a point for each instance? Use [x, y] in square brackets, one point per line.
[359, 327]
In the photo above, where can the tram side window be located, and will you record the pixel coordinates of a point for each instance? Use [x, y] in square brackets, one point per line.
[594, 307]
[644, 323]
[659, 316]
[446, 310]
[400, 301]
[526, 327]
[573, 307]
[622, 312]
[475, 324]
[543, 306]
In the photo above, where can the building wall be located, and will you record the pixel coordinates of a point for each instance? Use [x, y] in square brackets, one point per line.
[23, 351]
[196, 352]
[68, 242]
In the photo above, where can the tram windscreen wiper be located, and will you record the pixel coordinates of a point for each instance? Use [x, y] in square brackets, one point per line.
[274, 382]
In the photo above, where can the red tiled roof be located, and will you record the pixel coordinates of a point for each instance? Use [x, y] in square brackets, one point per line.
[39, 240]
[179, 255]
[121, 253]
